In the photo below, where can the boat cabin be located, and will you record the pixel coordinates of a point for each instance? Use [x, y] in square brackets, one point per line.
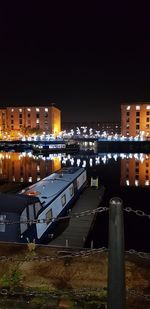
[16, 208]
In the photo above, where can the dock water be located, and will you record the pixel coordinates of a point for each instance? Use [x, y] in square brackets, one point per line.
[76, 233]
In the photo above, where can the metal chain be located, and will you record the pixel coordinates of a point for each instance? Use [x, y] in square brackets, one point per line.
[143, 255]
[54, 219]
[139, 294]
[47, 258]
[53, 294]
[137, 212]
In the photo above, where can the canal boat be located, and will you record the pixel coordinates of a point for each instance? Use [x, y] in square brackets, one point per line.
[34, 209]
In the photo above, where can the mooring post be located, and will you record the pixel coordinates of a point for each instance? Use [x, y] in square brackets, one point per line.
[116, 260]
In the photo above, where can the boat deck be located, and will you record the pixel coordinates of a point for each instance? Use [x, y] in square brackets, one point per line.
[76, 233]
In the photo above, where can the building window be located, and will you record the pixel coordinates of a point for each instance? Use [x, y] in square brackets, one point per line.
[20, 110]
[12, 110]
[137, 127]
[63, 200]
[48, 216]
[20, 121]
[137, 120]
[29, 109]
[147, 126]
[46, 110]
[137, 114]
[20, 115]
[137, 107]
[148, 107]
[128, 114]
[12, 121]
[147, 113]
[37, 109]
[2, 225]
[128, 107]
[37, 121]
[37, 116]
[147, 119]
[29, 115]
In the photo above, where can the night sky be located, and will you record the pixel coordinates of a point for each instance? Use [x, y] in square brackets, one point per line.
[88, 59]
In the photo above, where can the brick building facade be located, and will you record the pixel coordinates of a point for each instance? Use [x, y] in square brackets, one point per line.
[45, 118]
[135, 119]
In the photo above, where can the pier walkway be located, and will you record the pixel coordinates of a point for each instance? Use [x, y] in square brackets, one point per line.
[77, 231]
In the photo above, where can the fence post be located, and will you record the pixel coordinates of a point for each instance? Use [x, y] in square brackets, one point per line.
[116, 261]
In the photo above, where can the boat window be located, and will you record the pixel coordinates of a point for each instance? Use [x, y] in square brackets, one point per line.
[63, 200]
[48, 216]
[2, 225]
[23, 217]
[31, 212]
[37, 207]
[71, 189]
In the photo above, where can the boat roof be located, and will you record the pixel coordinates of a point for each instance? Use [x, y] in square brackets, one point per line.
[48, 188]
[15, 203]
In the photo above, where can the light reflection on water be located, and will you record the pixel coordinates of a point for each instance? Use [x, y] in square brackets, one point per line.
[25, 167]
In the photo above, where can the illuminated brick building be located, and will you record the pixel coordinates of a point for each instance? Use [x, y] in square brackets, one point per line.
[135, 119]
[45, 118]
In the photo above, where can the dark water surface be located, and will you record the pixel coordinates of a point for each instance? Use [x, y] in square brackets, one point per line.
[124, 175]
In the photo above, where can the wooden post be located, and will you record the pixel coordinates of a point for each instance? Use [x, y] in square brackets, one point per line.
[116, 261]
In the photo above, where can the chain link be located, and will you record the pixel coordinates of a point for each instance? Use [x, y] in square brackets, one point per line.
[137, 212]
[54, 219]
[143, 255]
[139, 294]
[60, 255]
[53, 294]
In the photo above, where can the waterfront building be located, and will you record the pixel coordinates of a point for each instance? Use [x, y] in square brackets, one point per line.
[135, 119]
[21, 119]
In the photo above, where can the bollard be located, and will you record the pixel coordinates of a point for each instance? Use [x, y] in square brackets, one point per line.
[116, 261]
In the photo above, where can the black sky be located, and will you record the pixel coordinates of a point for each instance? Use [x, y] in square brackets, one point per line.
[85, 58]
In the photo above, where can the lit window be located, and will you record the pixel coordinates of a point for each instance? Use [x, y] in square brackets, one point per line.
[21, 179]
[2, 225]
[136, 183]
[20, 110]
[148, 107]
[128, 107]
[38, 168]
[37, 121]
[127, 182]
[146, 182]
[63, 200]
[30, 179]
[12, 110]
[29, 109]
[48, 216]
[38, 178]
[46, 110]
[37, 109]
[137, 107]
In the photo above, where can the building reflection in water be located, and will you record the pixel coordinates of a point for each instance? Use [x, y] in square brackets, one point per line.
[135, 170]
[26, 167]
